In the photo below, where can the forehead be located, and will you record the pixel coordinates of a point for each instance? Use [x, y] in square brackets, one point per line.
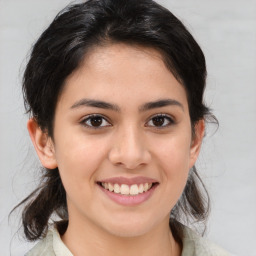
[124, 51]
[133, 73]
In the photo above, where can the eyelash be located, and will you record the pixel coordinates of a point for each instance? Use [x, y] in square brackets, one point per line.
[90, 118]
[170, 121]
[167, 118]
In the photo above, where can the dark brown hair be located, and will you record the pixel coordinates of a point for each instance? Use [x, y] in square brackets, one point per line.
[60, 50]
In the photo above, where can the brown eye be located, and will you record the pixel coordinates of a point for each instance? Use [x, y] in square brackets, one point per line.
[160, 121]
[95, 121]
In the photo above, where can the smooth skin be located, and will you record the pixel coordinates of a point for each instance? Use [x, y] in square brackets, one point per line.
[124, 138]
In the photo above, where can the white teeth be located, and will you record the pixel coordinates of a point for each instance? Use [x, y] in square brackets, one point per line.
[134, 190]
[110, 187]
[146, 186]
[117, 188]
[141, 188]
[125, 189]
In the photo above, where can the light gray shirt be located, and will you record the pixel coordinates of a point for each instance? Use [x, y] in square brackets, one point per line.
[193, 245]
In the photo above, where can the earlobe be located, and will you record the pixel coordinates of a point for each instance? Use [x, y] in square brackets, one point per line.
[43, 144]
[197, 140]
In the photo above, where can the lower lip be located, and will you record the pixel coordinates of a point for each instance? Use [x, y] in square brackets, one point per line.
[129, 200]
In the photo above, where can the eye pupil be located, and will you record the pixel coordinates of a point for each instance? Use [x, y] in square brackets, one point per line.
[158, 121]
[96, 121]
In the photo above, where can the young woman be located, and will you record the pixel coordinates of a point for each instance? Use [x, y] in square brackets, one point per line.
[114, 89]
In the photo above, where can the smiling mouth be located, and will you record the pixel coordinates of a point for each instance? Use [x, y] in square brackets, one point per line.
[127, 190]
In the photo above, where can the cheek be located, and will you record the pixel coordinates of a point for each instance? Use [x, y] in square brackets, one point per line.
[175, 152]
[174, 160]
[79, 158]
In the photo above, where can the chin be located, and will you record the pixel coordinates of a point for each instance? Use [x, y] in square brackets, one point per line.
[130, 228]
[128, 232]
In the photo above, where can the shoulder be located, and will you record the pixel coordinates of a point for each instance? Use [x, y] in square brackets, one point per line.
[195, 245]
[51, 245]
[43, 247]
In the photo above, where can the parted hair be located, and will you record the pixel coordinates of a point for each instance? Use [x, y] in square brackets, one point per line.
[60, 50]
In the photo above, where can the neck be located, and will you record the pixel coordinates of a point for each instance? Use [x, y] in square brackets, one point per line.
[92, 240]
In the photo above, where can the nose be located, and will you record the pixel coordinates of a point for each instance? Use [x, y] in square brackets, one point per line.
[129, 149]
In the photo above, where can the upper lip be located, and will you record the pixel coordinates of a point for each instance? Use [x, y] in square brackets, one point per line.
[128, 181]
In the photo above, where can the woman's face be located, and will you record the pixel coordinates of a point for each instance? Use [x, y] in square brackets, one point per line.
[122, 123]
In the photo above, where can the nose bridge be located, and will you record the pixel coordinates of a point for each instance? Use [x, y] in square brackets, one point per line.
[129, 147]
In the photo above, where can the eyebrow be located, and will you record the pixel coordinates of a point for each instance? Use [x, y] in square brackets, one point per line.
[160, 103]
[145, 107]
[95, 104]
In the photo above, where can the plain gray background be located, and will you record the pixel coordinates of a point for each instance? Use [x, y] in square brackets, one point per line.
[226, 31]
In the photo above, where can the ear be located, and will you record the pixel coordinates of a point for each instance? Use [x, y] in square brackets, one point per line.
[196, 143]
[43, 144]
